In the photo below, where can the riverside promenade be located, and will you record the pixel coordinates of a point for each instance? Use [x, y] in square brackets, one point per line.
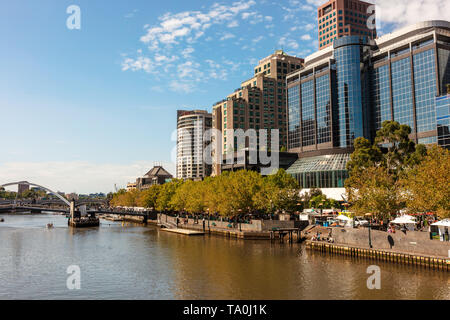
[411, 247]
[253, 230]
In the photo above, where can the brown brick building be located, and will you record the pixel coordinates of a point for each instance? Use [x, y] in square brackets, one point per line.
[338, 18]
[260, 102]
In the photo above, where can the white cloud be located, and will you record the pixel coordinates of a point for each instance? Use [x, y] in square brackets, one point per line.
[289, 43]
[181, 86]
[140, 63]
[233, 24]
[258, 39]
[227, 36]
[77, 176]
[174, 27]
[186, 53]
[405, 12]
[305, 37]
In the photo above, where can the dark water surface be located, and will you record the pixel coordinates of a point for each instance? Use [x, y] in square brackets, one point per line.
[135, 262]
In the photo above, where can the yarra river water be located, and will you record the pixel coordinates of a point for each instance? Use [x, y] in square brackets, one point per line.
[135, 262]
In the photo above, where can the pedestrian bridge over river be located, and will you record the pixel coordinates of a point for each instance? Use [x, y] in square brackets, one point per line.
[74, 210]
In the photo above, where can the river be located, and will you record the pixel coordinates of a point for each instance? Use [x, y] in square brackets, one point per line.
[135, 262]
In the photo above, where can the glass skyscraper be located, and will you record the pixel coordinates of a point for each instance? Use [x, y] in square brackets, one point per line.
[346, 91]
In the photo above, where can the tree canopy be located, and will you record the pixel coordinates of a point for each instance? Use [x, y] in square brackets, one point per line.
[230, 194]
[394, 173]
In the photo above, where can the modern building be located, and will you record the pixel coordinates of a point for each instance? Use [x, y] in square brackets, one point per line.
[191, 126]
[339, 18]
[259, 103]
[347, 90]
[443, 120]
[22, 188]
[157, 175]
[131, 186]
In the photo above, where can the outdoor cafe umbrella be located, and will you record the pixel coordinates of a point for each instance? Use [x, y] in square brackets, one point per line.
[442, 223]
[405, 219]
[344, 218]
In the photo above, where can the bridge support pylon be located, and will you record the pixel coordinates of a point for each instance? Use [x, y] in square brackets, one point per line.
[72, 211]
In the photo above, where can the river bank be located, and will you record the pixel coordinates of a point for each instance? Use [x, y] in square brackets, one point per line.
[132, 261]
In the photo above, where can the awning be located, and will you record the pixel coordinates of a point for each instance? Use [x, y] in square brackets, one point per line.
[406, 219]
[442, 223]
[344, 218]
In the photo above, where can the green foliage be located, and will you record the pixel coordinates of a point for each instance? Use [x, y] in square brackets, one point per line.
[427, 186]
[384, 180]
[321, 201]
[365, 155]
[230, 194]
[399, 147]
[9, 195]
[375, 191]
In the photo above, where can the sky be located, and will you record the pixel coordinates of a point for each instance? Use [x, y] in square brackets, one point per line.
[82, 110]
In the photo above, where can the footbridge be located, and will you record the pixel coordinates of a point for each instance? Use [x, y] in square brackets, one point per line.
[73, 210]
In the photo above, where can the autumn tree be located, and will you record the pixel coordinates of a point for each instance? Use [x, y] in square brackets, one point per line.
[427, 186]
[374, 190]
[148, 198]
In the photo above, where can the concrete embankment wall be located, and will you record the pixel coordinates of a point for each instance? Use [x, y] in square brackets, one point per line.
[414, 242]
[254, 225]
[429, 262]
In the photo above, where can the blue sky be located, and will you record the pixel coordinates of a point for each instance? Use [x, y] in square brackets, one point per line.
[84, 109]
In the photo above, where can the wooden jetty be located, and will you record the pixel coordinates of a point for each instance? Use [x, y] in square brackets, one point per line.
[281, 233]
[184, 231]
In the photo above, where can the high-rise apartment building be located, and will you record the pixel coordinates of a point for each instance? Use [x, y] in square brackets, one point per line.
[338, 18]
[191, 126]
[346, 91]
[259, 103]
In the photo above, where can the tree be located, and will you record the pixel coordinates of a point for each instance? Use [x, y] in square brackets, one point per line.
[168, 190]
[321, 201]
[374, 190]
[148, 198]
[426, 187]
[365, 155]
[395, 137]
[282, 180]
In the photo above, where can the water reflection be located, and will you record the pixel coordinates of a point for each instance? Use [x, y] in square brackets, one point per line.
[133, 262]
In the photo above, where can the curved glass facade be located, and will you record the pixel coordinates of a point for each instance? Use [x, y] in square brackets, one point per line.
[402, 92]
[323, 103]
[381, 96]
[425, 90]
[327, 171]
[294, 117]
[443, 121]
[348, 92]
[308, 118]
[347, 53]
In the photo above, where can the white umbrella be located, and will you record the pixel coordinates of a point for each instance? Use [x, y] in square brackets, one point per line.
[404, 220]
[442, 223]
[344, 218]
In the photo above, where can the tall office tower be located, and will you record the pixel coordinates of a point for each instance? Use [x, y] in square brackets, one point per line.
[22, 188]
[191, 126]
[338, 18]
[260, 102]
[346, 91]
